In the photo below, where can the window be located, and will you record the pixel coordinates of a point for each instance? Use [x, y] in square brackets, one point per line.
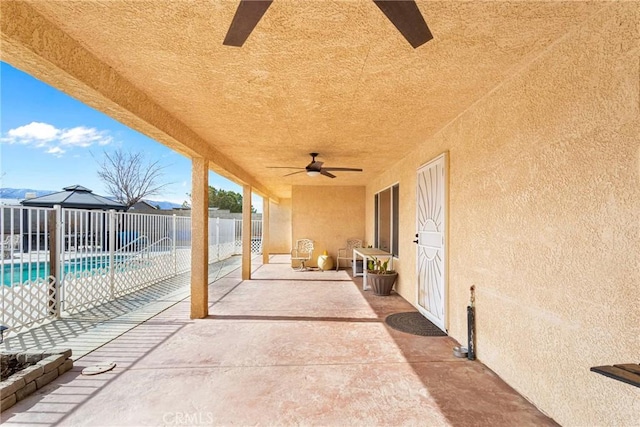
[387, 210]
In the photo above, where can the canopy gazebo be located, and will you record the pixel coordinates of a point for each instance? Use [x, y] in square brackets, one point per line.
[75, 197]
[72, 197]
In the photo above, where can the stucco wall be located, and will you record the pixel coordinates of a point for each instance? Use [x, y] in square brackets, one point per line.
[280, 227]
[544, 220]
[328, 215]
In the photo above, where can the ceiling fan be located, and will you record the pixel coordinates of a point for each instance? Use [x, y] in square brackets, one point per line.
[315, 168]
[404, 14]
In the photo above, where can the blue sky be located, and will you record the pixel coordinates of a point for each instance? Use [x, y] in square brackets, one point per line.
[50, 140]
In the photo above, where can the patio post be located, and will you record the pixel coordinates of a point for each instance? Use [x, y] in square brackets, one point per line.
[265, 230]
[112, 251]
[199, 238]
[173, 245]
[218, 239]
[246, 232]
[59, 258]
[54, 290]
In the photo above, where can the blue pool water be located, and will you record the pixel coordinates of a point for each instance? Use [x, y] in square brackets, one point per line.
[20, 273]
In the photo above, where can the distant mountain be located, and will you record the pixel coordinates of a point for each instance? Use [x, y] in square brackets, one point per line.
[19, 194]
[163, 204]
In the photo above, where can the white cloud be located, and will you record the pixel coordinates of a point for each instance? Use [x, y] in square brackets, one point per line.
[83, 137]
[33, 132]
[56, 151]
[52, 139]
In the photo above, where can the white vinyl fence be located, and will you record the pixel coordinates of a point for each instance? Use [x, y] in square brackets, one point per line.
[29, 292]
[222, 239]
[256, 236]
[62, 261]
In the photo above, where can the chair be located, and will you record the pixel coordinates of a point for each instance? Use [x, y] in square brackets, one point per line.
[10, 243]
[302, 252]
[347, 253]
[6, 248]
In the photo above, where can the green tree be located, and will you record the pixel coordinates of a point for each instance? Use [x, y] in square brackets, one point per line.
[223, 199]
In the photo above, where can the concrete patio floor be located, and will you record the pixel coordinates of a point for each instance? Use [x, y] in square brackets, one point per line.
[285, 348]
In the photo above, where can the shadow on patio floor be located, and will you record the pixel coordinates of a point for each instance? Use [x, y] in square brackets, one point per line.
[280, 349]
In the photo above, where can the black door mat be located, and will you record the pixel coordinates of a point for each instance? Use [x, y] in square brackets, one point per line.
[414, 323]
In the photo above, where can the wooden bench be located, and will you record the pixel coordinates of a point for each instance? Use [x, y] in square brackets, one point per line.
[628, 373]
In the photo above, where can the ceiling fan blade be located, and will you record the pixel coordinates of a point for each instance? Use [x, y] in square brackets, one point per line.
[343, 169]
[293, 173]
[283, 167]
[406, 17]
[247, 16]
[315, 165]
[325, 173]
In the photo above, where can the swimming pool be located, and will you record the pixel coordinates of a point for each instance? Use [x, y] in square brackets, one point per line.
[31, 271]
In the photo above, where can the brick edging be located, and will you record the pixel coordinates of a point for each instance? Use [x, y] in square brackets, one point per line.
[46, 365]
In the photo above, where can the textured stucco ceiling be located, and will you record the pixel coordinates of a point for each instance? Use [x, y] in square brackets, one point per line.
[328, 76]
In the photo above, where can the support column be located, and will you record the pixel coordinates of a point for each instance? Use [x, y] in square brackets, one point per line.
[265, 230]
[246, 232]
[199, 237]
[54, 222]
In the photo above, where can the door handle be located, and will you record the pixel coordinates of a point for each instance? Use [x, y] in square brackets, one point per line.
[415, 241]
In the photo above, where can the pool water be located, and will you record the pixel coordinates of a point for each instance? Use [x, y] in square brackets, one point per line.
[20, 273]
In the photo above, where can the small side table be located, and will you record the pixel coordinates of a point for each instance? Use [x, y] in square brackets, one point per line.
[365, 254]
[325, 262]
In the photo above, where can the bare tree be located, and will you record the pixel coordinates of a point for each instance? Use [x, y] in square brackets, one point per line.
[129, 178]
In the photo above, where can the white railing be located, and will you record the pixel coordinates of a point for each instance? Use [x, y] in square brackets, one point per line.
[28, 292]
[61, 261]
[84, 258]
[256, 236]
[221, 239]
[181, 234]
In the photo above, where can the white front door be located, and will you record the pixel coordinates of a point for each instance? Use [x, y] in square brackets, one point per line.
[431, 215]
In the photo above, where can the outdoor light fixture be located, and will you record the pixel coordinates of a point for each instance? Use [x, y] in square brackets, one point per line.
[313, 173]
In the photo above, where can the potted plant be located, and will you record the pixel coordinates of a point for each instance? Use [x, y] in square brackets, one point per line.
[380, 278]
